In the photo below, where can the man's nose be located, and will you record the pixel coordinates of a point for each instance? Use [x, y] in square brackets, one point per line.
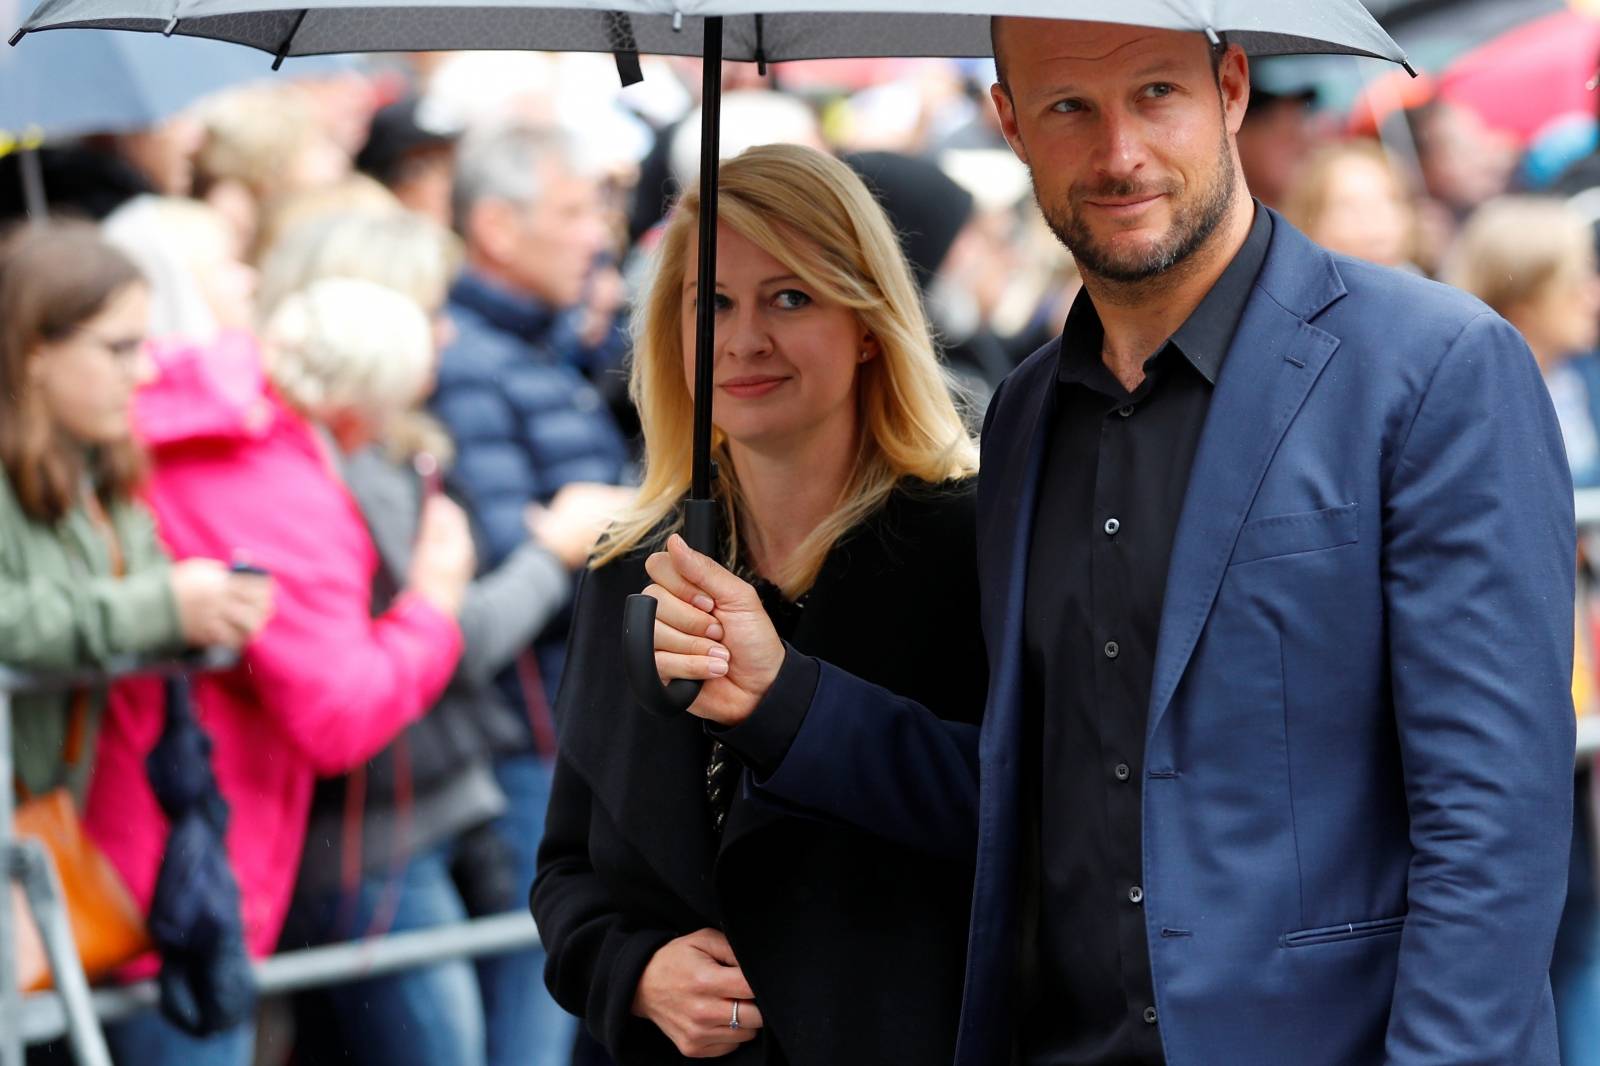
[1121, 151]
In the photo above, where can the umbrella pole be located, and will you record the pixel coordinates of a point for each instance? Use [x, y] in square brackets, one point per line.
[705, 304]
[700, 509]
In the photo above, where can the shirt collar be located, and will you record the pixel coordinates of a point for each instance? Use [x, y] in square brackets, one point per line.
[1204, 337]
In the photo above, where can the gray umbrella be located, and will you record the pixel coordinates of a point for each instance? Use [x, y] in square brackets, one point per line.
[759, 31]
[754, 30]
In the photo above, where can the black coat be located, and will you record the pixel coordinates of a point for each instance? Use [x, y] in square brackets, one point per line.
[854, 946]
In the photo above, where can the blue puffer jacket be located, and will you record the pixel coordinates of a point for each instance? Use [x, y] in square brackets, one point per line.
[525, 421]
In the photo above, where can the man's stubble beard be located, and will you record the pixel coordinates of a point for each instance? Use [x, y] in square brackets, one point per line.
[1192, 226]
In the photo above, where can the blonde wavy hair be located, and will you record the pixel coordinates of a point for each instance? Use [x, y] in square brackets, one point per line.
[813, 214]
[349, 344]
[391, 246]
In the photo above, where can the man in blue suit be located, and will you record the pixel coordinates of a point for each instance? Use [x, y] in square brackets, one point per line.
[1275, 765]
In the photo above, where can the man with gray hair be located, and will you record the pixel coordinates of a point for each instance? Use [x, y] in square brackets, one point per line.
[527, 425]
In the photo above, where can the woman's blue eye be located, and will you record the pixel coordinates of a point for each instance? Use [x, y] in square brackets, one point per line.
[791, 299]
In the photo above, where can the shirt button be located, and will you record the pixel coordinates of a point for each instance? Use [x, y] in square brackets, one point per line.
[1122, 772]
[1149, 1016]
[1136, 895]
[1112, 525]
[1113, 649]
[1126, 412]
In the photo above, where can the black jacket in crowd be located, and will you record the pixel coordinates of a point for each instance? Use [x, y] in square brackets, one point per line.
[854, 946]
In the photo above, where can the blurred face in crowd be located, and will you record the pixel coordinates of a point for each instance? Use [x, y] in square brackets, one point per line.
[1273, 143]
[1128, 135]
[165, 153]
[1563, 318]
[786, 360]
[317, 162]
[1365, 213]
[87, 379]
[423, 180]
[1464, 162]
[343, 105]
[549, 246]
[214, 255]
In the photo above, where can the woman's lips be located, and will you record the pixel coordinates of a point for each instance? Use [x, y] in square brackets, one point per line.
[749, 388]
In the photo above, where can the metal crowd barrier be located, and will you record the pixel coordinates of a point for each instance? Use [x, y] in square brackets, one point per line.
[27, 865]
[44, 1015]
[76, 1012]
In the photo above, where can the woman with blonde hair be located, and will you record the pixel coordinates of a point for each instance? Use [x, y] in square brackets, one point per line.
[1532, 259]
[684, 917]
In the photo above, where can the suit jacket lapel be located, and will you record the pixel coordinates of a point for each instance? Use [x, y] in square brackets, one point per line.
[1275, 358]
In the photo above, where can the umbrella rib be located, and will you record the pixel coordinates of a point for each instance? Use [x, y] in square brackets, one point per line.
[288, 40]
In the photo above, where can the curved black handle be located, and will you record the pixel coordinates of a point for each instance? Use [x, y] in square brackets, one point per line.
[639, 660]
[639, 627]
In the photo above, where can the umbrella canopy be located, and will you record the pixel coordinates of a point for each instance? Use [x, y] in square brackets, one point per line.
[770, 31]
[760, 31]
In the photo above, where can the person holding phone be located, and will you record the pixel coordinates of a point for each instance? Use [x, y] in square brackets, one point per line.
[82, 576]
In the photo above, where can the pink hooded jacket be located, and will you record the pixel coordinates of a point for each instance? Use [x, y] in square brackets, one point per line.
[324, 686]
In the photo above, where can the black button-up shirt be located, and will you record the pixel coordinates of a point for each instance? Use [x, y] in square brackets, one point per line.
[1113, 485]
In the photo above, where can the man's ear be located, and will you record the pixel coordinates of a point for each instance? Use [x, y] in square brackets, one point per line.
[1007, 111]
[1233, 81]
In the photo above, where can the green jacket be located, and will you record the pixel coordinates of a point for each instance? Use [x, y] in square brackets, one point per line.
[60, 608]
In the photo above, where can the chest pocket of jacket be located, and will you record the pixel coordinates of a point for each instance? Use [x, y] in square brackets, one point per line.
[1292, 534]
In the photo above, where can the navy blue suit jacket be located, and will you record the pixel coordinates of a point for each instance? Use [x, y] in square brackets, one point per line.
[1357, 802]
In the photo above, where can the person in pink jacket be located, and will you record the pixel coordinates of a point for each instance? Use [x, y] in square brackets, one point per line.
[238, 475]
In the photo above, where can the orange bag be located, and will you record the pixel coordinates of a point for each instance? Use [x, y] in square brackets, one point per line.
[106, 924]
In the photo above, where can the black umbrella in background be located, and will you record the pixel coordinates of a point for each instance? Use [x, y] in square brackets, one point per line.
[758, 31]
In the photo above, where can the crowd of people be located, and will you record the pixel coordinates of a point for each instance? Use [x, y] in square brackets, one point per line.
[353, 374]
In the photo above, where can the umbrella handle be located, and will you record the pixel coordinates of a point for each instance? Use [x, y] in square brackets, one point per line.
[639, 627]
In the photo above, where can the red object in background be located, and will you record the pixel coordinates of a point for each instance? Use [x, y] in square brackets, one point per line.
[1522, 80]
[839, 75]
[1390, 92]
